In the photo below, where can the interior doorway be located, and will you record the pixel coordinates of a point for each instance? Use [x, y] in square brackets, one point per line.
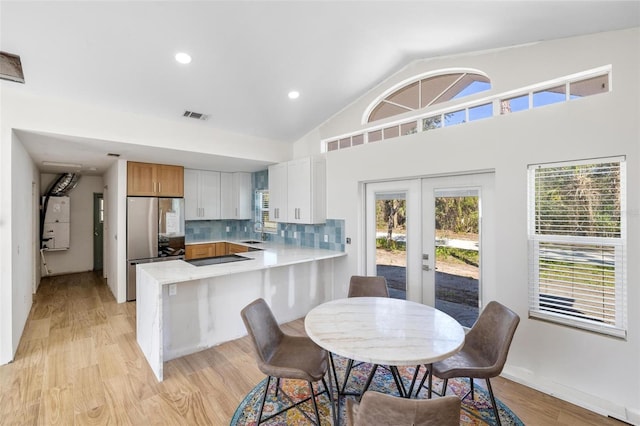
[98, 231]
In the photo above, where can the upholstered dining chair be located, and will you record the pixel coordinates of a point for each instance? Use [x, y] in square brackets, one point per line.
[364, 286]
[381, 409]
[361, 286]
[484, 352]
[282, 356]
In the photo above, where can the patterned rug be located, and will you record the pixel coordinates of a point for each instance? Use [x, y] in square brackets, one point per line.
[476, 412]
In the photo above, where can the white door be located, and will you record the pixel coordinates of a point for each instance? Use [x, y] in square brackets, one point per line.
[420, 196]
[457, 259]
[409, 192]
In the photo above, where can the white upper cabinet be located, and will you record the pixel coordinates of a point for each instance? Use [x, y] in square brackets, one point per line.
[278, 192]
[302, 196]
[201, 194]
[235, 195]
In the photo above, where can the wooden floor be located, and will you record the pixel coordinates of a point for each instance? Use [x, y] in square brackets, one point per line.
[78, 363]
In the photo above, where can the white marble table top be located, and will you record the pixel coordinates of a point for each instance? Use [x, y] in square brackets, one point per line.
[384, 331]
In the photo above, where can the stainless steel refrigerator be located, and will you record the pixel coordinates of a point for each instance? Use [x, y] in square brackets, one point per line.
[155, 232]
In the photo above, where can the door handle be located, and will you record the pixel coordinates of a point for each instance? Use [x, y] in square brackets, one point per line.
[427, 268]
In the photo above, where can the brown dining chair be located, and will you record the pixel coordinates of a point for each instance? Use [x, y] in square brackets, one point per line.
[381, 409]
[282, 356]
[363, 286]
[484, 352]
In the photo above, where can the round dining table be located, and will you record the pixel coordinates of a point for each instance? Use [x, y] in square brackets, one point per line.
[385, 331]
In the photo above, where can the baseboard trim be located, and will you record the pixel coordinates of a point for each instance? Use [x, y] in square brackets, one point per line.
[594, 403]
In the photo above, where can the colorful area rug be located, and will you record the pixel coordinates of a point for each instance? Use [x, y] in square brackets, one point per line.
[476, 412]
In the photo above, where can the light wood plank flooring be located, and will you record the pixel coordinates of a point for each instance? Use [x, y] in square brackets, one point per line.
[78, 363]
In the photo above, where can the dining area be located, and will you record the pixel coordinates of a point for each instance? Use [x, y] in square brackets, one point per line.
[371, 359]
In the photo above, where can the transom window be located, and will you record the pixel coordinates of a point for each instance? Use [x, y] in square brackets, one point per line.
[429, 91]
[577, 241]
[559, 90]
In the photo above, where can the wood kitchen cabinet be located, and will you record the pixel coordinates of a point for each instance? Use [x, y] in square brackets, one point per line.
[236, 248]
[154, 180]
[235, 195]
[201, 251]
[201, 194]
[297, 190]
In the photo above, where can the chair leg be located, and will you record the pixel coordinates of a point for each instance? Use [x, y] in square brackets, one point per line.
[264, 398]
[445, 382]
[277, 385]
[493, 403]
[473, 395]
[315, 404]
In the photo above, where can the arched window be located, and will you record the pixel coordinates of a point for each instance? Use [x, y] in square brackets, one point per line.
[426, 91]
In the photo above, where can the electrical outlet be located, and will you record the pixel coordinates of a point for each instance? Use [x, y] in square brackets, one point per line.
[326, 238]
[173, 289]
[348, 240]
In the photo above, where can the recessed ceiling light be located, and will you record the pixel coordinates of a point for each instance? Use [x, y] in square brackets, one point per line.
[183, 58]
[294, 94]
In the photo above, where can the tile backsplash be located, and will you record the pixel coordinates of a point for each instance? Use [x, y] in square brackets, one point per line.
[288, 233]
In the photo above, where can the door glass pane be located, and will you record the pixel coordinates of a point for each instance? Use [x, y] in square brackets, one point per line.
[457, 262]
[391, 242]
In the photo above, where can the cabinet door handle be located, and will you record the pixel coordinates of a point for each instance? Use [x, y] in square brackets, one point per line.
[159, 187]
[154, 187]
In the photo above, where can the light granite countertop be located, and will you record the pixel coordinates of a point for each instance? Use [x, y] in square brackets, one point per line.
[270, 255]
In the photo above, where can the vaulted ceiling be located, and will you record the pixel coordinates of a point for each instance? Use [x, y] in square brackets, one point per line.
[247, 55]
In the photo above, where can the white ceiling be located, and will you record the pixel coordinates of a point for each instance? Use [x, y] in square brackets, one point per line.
[247, 55]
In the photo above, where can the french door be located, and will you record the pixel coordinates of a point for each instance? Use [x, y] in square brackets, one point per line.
[447, 261]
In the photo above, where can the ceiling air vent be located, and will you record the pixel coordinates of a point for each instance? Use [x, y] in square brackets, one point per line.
[196, 115]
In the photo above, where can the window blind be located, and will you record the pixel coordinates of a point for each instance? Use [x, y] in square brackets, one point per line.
[577, 244]
[262, 201]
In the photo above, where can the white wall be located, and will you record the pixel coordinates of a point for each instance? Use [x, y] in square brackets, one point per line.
[24, 176]
[115, 196]
[595, 371]
[79, 257]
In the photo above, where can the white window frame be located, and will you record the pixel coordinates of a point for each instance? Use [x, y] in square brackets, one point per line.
[269, 226]
[618, 245]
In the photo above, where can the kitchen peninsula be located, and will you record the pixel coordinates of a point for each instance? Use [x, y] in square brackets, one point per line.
[182, 308]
